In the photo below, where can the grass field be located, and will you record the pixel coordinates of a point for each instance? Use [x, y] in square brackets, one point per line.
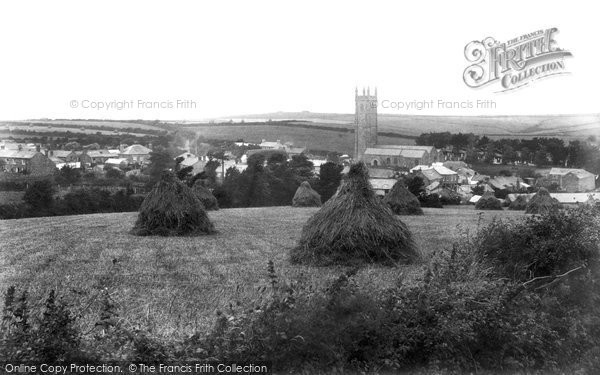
[173, 286]
[315, 139]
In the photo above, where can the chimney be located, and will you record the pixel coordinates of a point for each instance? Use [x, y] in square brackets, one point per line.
[20, 147]
[1, 147]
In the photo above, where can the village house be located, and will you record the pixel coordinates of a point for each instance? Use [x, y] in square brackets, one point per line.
[438, 173]
[93, 157]
[32, 163]
[265, 145]
[510, 183]
[65, 156]
[575, 199]
[116, 162]
[382, 186]
[136, 154]
[570, 180]
[294, 151]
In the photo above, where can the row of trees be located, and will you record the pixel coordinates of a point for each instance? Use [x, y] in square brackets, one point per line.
[273, 181]
[39, 200]
[541, 151]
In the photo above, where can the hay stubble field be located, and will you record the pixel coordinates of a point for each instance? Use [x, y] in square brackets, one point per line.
[173, 286]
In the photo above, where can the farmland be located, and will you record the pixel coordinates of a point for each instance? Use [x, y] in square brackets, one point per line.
[340, 140]
[174, 285]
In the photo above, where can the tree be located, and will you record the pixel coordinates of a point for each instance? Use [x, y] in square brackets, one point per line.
[160, 160]
[210, 170]
[302, 167]
[114, 173]
[540, 158]
[68, 175]
[40, 195]
[183, 174]
[330, 176]
[414, 184]
[508, 154]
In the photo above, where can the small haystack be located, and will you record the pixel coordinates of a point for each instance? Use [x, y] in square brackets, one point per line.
[402, 201]
[206, 197]
[519, 204]
[306, 197]
[355, 226]
[542, 203]
[172, 209]
[488, 202]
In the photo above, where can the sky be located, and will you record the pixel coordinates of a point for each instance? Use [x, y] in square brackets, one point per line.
[219, 59]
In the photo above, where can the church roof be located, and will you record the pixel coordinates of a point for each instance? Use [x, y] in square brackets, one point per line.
[407, 153]
[408, 147]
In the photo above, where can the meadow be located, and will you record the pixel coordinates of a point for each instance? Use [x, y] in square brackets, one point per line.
[173, 286]
[341, 141]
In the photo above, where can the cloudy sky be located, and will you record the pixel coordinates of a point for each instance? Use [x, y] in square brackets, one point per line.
[242, 57]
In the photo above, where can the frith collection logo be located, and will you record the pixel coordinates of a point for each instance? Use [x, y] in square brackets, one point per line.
[514, 63]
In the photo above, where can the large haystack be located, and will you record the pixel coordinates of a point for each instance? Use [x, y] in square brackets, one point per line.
[306, 197]
[206, 197]
[519, 204]
[355, 226]
[402, 201]
[488, 202]
[542, 203]
[172, 209]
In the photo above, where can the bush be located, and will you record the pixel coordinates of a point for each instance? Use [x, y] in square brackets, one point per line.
[14, 210]
[114, 173]
[549, 244]
[51, 339]
[430, 200]
[40, 195]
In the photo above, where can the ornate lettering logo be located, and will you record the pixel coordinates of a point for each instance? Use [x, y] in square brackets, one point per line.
[515, 63]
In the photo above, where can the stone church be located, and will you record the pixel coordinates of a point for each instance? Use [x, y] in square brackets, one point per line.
[367, 149]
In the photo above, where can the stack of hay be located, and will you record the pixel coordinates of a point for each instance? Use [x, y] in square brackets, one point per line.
[206, 197]
[355, 226]
[306, 197]
[488, 202]
[542, 203]
[402, 201]
[519, 204]
[172, 209]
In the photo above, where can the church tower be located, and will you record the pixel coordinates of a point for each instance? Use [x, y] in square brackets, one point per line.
[365, 122]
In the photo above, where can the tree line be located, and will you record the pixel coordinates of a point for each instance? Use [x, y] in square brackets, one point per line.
[541, 151]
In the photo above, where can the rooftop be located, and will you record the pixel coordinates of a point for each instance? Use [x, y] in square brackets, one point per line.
[16, 154]
[565, 171]
[136, 150]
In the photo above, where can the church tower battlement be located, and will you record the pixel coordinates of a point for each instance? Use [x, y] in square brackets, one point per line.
[365, 122]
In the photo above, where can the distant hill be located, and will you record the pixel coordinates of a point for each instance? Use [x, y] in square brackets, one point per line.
[565, 126]
[331, 131]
